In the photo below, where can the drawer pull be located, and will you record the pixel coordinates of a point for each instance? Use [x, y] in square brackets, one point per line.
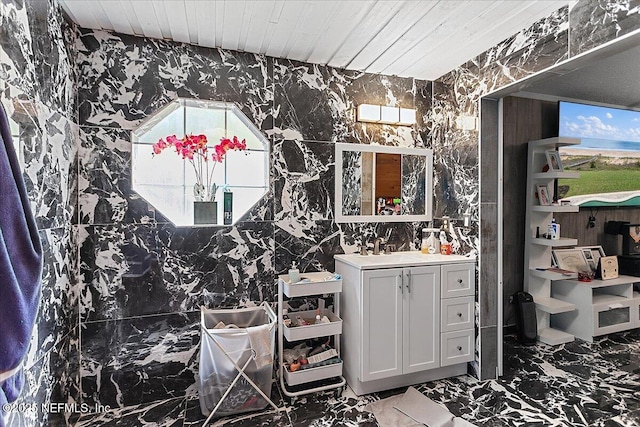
[460, 281]
[459, 348]
[460, 315]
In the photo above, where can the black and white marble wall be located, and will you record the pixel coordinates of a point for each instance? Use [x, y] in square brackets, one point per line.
[37, 89]
[596, 22]
[352, 182]
[414, 170]
[135, 281]
[304, 109]
[135, 264]
[456, 107]
[456, 103]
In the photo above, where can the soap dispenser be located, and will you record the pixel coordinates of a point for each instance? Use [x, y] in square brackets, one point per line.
[424, 246]
[294, 273]
[432, 242]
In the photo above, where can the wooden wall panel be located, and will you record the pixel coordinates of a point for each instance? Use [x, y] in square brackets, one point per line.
[522, 122]
[388, 175]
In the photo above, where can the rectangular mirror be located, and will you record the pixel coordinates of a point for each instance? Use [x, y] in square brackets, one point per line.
[376, 183]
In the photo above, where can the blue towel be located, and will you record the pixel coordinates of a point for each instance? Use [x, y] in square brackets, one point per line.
[20, 268]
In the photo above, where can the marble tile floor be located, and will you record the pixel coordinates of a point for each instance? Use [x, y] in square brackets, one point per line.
[575, 384]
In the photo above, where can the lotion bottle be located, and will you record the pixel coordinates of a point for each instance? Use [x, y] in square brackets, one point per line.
[294, 273]
[555, 230]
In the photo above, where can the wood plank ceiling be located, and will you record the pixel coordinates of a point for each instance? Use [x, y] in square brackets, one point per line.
[410, 38]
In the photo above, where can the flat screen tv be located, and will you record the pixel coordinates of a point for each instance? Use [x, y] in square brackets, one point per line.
[608, 159]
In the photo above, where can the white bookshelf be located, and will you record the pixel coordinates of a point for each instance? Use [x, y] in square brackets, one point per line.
[537, 279]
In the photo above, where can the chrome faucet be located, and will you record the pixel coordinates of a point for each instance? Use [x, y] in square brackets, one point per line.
[376, 245]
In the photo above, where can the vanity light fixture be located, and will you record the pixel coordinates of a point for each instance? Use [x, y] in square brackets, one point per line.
[387, 115]
[368, 113]
[407, 117]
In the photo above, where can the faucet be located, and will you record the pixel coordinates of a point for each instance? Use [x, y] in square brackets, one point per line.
[376, 245]
[363, 250]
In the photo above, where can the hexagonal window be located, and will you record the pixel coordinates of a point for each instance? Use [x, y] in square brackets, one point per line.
[169, 179]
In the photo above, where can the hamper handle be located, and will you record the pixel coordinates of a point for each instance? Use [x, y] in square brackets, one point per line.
[270, 312]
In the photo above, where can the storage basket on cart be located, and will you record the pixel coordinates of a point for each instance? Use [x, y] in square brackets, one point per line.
[229, 381]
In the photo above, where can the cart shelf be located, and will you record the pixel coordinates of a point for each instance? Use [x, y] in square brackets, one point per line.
[306, 381]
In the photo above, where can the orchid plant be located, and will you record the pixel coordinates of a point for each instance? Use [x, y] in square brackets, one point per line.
[194, 149]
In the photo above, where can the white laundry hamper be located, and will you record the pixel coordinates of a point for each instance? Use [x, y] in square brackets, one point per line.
[229, 381]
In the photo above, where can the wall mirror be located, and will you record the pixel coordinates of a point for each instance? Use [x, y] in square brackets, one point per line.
[171, 183]
[376, 183]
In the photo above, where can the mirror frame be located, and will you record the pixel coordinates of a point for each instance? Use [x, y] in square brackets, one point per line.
[369, 148]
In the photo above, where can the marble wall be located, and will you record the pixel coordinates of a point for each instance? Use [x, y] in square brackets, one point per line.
[132, 280]
[140, 325]
[37, 90]
[457, 95]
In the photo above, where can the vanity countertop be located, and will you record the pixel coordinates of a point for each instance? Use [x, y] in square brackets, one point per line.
[400, 259]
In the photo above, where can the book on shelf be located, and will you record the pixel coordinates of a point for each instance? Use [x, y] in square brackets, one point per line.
[558, 270]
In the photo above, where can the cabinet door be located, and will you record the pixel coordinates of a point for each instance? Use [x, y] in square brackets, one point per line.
[381, 324]
[421, 319]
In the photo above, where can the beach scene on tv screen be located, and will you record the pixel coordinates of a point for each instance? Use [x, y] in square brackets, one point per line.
[608, 157]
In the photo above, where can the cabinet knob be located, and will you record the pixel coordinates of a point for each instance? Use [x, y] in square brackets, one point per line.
[460, 281]
[459, 314]
[459, 348]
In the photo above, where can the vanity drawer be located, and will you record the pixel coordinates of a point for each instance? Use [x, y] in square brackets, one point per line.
[456, 314]
[458, 280]
[456, 347]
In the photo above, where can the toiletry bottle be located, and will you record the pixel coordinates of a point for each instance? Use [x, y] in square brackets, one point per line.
[318, 317]
[424, 246]
[432, 243]
[294, 273]
[285, 317]
[555, 229]
[445, 246]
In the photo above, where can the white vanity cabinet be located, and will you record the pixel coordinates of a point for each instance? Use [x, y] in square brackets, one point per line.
[407, 318]
[400, 318]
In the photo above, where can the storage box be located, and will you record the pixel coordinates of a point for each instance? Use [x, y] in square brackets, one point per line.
[612, 315]
[312, 331]
[313, 374]
[317, 283]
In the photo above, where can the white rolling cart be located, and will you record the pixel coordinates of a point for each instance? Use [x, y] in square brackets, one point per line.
[318, 283]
